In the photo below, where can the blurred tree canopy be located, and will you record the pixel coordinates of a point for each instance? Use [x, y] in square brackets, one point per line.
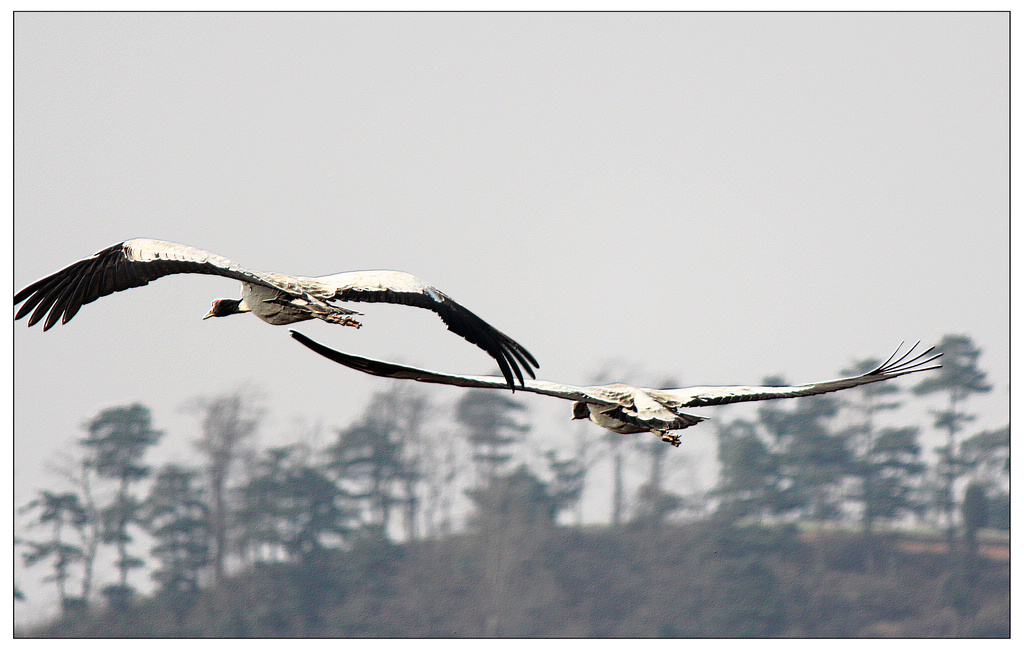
[821, 523]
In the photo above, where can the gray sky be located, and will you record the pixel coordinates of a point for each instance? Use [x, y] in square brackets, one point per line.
[711, 197]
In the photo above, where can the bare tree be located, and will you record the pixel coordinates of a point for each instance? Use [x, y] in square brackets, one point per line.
[440, 470]
[79, 473]
[405, 408]
[619, 446]
[618, 452]
[228, 424]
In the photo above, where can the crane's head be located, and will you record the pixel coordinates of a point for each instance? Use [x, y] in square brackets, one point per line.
[226, 307]
[580, 411]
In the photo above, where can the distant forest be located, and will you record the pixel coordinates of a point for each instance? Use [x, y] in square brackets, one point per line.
[814, 527]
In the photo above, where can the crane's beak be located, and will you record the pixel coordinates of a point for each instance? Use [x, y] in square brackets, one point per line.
[208, 315]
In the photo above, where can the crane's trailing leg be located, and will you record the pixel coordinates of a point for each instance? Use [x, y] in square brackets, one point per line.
[341, 319]
[274, 298]
[670, 438]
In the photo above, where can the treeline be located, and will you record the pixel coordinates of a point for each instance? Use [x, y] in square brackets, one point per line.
[333, 528]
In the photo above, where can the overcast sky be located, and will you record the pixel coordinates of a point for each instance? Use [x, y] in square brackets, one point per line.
[710, 197]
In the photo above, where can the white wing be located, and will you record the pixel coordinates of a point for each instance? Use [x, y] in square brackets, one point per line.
[714, 395]
[404, 289]
[136, 262]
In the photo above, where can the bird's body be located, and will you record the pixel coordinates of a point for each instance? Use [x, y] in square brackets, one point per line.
[630, 409]
[626, 409]
[274, 298]
[270, 306]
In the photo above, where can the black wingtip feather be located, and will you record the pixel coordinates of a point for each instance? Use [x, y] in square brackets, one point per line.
[61, 303]
[47, 301]
[512, 358]
[905, 364]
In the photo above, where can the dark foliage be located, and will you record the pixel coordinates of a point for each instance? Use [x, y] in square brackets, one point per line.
[703, 580]
[797, 539]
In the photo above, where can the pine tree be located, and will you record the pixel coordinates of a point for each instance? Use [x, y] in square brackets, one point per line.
[490, 429]
[986, 458]
[749, 480]
[292, 507]
[366, 461]
[117, 439]
[512, 515]
[975, 514]
[403, 410]
[872, 400]
[58, 511]
[893, 462]
[176, 513]
[569, 478]
[812, 460]
[654, 502]
[959, 378]
[76, 467]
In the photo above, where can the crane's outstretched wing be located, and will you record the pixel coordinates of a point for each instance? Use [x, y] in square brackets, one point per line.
[131, 263]
[136, 262]
[396, 371]
[404, 289]
[714, 395]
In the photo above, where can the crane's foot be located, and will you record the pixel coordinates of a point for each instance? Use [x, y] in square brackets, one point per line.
[671, 438]
[339, 319]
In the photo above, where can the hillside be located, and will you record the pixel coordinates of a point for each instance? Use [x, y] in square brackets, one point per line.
[699, 580]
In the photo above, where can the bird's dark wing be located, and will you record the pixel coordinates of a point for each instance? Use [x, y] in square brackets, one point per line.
[713, 395]
[132, 263]
[404, 289]
[396, 371]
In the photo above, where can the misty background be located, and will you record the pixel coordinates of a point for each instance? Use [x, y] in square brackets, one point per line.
[711, 198]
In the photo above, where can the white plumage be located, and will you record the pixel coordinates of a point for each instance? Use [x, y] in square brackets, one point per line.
[275, 298]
